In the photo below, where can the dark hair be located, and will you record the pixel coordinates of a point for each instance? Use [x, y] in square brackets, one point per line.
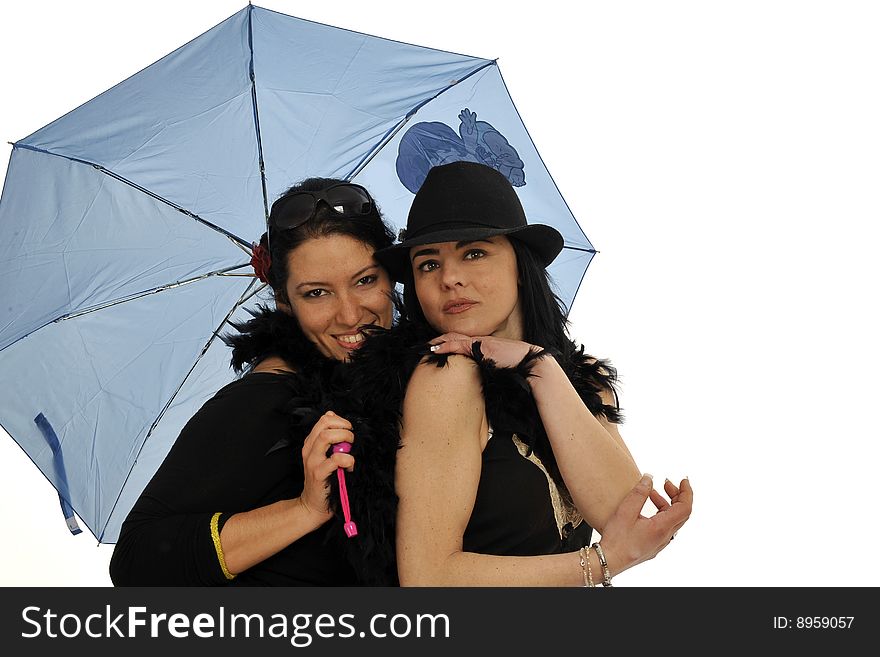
[370, 229]
[543, 315]
[271, 332]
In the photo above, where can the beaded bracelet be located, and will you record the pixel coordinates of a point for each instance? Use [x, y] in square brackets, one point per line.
[589, 570]
[585, 567]
[606, 574]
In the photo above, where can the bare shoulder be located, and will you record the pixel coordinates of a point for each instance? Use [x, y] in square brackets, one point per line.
[458, 376]
[448, 398]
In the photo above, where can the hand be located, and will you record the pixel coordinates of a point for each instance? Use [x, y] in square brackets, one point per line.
[468, 122]
[317, 466]
[502, 351]
[630, 538]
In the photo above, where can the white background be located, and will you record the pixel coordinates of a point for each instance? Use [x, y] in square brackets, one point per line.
[723, 158]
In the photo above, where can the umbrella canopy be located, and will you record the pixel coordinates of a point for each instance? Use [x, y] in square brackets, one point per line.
[125, 225]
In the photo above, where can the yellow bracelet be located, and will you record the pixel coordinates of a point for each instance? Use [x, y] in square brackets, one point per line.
[215, 536]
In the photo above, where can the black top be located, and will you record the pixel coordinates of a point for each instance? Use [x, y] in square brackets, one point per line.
[239, 452]
[513, 512]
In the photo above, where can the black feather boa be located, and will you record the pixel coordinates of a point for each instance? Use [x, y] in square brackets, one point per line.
[369, 393]
[271, 333]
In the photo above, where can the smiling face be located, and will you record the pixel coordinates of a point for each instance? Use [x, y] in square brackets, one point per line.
[469, 287]
[334, 288]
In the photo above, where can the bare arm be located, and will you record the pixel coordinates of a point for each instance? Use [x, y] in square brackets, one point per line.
[593, 459]
[438, 470]
[595, 463]
[610, 399]
[443, 431]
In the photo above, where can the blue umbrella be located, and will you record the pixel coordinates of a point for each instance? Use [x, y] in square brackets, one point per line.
[126, 225]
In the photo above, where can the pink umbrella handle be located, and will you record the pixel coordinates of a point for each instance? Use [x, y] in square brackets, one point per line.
[349, 527]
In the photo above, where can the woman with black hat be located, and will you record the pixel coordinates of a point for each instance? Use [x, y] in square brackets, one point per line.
[511, 456]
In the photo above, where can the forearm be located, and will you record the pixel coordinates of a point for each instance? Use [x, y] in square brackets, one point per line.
[597, 467]
[461, 569]
[250, 537]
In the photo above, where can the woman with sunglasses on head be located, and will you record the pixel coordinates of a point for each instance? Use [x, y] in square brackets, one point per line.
[241, 498]
[504, 419]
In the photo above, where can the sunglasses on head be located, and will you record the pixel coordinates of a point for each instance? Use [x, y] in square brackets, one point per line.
[344, 200]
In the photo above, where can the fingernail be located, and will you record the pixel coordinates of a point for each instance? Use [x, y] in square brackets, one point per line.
[647, 480]
[435, 347]
[667, 480]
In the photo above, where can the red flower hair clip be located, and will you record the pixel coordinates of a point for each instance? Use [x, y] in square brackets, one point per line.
[261, 261]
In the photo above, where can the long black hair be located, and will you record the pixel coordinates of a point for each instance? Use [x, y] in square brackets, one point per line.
[270, 332]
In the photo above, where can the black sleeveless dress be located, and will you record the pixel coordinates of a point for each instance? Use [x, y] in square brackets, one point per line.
[520, 508]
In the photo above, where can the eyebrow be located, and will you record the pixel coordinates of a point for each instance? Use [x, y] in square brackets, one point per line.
[355, 275]
[458, 245]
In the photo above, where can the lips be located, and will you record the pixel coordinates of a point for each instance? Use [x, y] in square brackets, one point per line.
[457, 306]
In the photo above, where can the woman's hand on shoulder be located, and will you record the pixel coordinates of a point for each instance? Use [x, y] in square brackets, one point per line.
[504, 352]
[329, 430]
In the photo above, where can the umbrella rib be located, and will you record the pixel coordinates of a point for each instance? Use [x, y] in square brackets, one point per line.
[159, 288]
[246, 296]
[132, 297]
[253, 77]
[537, 152]
[386, 138]
[247, 249]
[167, 405]
[576, 222]
[105, 170]
[389, 135]
[580, 282]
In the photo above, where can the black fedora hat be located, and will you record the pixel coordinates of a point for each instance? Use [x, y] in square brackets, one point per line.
[466, 201]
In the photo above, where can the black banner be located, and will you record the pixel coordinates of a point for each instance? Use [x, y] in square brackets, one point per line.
[288, 621]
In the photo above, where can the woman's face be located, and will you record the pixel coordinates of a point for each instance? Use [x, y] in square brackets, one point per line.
[469, 287]
[335, 287]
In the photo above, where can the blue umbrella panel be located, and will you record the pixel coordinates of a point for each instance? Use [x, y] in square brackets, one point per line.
[126, 225]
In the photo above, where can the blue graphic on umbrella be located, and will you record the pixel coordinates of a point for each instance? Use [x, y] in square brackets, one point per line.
[432, 143]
